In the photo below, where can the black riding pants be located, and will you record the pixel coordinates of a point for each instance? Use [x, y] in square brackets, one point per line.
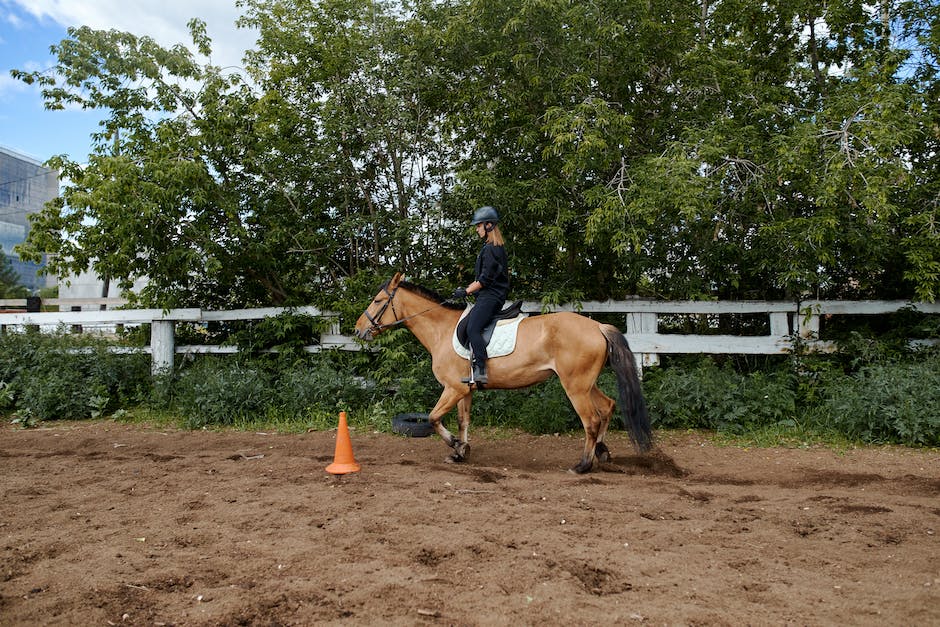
[483, 310]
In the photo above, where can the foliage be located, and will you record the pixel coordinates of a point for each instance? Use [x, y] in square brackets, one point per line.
[732, 149]
[10, 284]
[287, 332]
[214, 392]
[712, 397]
[890, 397]
[68, 377]
[886, 402]
[708, 149]
[229, 391]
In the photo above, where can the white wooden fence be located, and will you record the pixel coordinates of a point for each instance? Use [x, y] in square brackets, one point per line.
[789, 323]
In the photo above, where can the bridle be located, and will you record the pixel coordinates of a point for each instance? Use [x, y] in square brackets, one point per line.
[375, 321]
[377, 327]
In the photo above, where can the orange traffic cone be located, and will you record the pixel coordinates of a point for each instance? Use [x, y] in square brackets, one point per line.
[343, 460]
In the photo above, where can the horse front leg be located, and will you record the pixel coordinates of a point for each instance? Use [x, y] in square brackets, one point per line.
[445, 403]
[462, 444]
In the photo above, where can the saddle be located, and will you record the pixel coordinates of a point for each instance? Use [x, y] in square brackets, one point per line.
[508, 317]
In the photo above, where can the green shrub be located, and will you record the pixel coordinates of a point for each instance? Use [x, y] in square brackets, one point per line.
[316, 387]
[60, 390]
[886, 402]
[542, 408]
[60, 376]
[873, 391]
[221, 391]
[711, 397]
[287, 332]
[126, 377]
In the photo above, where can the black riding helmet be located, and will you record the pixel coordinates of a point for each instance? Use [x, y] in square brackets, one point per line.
[485, 214]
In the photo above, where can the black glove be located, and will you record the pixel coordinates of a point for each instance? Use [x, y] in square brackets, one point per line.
[459, 294]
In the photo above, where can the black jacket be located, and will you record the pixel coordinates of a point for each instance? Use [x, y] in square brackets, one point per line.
[492, 270]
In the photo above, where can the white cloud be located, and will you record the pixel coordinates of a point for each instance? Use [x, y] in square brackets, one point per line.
[10, 85]
[13, 20]
[164, 21]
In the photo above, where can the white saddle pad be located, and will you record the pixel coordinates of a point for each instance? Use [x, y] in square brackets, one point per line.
[503, 341]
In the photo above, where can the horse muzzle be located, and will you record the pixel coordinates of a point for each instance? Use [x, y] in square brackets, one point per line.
[367, 334]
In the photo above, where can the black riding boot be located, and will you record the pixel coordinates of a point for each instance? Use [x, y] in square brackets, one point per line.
[479, 372]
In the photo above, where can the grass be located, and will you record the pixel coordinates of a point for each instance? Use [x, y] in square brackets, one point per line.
[271, 422]
[784, 437]
[776, 436]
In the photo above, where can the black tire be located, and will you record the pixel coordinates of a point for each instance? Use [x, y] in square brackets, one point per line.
[413, 425]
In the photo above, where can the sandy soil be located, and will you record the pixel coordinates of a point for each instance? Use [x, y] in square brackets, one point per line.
[105, 523]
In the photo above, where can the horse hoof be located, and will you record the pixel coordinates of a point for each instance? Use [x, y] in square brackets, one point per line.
[453, 459]
[582, 467]
[461, 450]
[602, 453]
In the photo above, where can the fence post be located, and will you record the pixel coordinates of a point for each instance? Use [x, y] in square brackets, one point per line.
[808, 324]
[779, 324]
[162, 345]
[643, 323]
[77, 328]
[33, 305]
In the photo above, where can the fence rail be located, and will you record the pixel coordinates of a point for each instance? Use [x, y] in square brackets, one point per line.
[789, 323]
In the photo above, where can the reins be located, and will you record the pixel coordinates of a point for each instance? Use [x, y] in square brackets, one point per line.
[377, 326]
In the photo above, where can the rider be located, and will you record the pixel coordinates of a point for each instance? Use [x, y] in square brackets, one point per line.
[491, 286]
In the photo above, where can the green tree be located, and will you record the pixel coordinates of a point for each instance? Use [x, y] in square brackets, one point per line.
[686, 148]
[733, 148]
[226, 190]
[10, 284]
[349, 101]
[155, 198]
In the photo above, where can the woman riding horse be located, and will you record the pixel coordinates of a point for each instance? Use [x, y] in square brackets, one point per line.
[491, 287]
[566, 344]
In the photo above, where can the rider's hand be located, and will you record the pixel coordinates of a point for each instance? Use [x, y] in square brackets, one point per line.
[459, 294]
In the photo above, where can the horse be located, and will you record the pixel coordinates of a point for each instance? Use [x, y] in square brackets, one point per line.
[569, 345]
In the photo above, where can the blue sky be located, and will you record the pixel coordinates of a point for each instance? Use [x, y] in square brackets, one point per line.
[29, 27]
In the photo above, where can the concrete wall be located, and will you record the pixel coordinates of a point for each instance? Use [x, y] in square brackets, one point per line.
[90, 285]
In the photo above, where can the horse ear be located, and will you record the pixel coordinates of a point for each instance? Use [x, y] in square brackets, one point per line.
[395, 280]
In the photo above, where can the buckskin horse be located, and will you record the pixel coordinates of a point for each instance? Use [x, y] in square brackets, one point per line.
[567, 344]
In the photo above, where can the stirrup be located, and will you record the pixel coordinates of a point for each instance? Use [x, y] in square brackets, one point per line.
[469, 380]
[479, 369]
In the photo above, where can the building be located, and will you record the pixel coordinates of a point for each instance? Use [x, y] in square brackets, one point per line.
[25, 186]
[89, 285]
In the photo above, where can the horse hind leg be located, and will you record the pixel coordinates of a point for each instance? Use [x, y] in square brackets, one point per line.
[604, 406]
[595, 410]
[591, 421]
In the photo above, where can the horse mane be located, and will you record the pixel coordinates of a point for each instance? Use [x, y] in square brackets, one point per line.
[431, 295]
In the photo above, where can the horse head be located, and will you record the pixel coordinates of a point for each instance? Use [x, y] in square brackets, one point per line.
[380, 314]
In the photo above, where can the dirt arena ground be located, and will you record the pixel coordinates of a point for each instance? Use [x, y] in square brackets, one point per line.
[113, 524]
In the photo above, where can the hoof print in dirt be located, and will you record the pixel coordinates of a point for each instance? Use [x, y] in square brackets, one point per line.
[413, 425]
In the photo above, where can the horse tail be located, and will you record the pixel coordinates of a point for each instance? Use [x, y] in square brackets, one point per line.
[636, 419]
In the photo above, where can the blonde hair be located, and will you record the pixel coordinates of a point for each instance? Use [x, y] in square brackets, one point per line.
[496, 236]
